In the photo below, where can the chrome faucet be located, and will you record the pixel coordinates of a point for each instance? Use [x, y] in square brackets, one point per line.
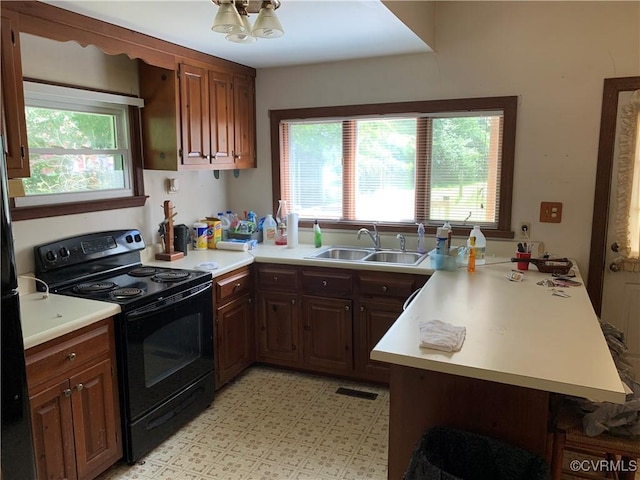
[375, 237]
[403, 242]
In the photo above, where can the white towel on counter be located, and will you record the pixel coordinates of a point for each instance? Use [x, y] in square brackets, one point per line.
[441, 335]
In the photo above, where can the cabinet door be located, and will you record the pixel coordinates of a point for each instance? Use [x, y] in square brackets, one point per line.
[327, 338]
[374, 319]
[194, 113]
[234, 339]
[96, 419]
[14, 125]
[245, 123]
[52, 427]
[278, 333]
[221, 119]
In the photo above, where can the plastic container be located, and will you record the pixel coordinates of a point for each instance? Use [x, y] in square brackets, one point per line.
[226, 225]
[269, 228]
[317, 235]
[481, 244]
[421, 247]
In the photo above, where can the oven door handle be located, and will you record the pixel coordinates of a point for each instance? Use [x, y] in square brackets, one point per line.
[167, 302]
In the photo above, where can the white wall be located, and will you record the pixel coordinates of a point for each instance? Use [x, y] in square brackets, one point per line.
[553, 55]
[200, 193]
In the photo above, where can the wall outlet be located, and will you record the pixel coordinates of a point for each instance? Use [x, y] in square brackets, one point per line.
[524, 230]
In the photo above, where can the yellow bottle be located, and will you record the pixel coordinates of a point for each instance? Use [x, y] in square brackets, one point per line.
[471, 266]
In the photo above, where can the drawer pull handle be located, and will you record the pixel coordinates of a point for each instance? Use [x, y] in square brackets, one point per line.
[67, 392]
[324, 283]
[72, 356]
[79, 387]
[385, 288]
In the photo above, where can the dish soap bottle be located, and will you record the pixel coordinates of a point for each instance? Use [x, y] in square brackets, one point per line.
[317, 235]
[481, 244]
[471, 266]
[421, 248]
[281, 221]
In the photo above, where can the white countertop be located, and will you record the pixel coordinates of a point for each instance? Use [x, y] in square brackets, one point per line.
[517, 333]
[44, 319]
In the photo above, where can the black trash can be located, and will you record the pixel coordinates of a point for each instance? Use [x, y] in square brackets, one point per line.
[445, 453]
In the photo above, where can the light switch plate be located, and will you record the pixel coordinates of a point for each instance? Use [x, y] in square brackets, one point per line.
[551, 212]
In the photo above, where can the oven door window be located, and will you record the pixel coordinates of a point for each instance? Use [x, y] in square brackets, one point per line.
[166, 350]
[172, 348]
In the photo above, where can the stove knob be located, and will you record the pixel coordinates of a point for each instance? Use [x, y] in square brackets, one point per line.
[64, 252]
[51, 256]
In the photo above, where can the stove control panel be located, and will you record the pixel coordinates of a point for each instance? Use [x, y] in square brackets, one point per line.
[83, 249]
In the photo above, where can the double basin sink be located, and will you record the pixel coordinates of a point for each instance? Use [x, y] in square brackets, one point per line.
[369, 255]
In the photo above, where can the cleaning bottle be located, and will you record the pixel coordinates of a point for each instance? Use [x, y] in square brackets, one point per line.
[471, 266]
[421, 248]
[481, 244]
[317, 235]
[447, 225]
[269, 228]
[281, 220]
[226, 225]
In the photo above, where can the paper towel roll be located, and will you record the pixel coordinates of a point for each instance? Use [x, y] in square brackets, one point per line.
[238, 246]
[292, 230]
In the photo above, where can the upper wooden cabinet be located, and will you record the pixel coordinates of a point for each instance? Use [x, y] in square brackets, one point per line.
[197, 119]
[14, 125]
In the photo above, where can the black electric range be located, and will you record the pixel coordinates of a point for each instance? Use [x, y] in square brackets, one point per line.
[164, 333]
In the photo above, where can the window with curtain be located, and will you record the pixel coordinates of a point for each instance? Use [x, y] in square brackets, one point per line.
[399, 164]
[628, 221]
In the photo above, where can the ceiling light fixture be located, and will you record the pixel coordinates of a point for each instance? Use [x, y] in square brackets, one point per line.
[232, 20]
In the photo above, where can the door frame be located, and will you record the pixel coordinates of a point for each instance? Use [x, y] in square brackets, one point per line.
[604, 175]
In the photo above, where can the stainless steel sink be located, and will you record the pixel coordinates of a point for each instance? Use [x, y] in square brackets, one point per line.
[342, 253]
[405, 258]
[355, 254]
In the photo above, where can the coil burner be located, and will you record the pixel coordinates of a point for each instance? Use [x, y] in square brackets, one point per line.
[142, 272]
[94, 287]
[170, 276]
[126, 292]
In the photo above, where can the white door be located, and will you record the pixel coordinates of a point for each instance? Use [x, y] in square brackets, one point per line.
[621, 290]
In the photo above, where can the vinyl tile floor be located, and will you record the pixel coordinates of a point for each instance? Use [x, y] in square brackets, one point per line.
[274, 424]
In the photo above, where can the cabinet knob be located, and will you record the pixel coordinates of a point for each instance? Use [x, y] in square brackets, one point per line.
[236, 286]
[79, 387]
[347, 308]
[324, 283]
[71, 356]
[275, 278]
[250, 300]
[293, 301]
[307, 328]
[385, 288]
[208, 157]
[66, 392]
[361, 308]
[293, 347]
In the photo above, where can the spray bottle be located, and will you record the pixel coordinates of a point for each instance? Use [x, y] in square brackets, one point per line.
[421, 248]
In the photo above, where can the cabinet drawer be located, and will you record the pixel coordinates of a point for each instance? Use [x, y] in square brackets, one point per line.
[389, 285]
[238, 283]
[66, 353]
[278, 278]
[325, 283]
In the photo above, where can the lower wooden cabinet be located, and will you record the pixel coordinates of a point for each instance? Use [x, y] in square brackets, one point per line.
[74, 404]
[327, 333]
[328, 319]
[234, 326]
[278, 329]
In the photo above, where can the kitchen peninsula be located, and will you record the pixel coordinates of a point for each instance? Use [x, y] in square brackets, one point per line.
[522, 342]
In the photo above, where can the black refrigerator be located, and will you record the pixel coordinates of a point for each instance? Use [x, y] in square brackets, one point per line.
[18, 461]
